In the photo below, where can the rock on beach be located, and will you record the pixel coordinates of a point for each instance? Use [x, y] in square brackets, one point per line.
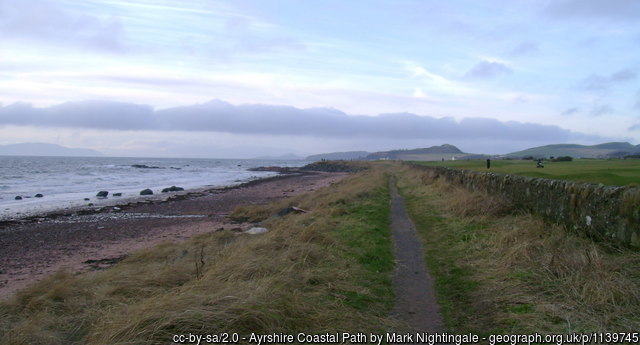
[146, 192]
[102, 194]
[172, 189]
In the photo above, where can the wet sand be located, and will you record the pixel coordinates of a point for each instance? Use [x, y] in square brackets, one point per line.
[81, 240]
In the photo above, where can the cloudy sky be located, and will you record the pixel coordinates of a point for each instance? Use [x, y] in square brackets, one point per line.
[244, 78]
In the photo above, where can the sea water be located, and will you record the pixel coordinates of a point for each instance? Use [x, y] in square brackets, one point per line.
[66, 181]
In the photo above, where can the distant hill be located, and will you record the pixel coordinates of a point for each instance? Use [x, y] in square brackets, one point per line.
[606, 150]
[445, 151]
[618, 146]
[42, 149]
[349, 155]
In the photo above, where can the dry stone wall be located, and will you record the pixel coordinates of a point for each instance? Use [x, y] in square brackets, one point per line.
[603, 212]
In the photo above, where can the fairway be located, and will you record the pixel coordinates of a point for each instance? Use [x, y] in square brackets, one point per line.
[608, 172]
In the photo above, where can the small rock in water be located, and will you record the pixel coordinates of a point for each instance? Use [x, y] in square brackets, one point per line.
[39, 195]
[86, 199]
[117, 194]
[172, 189]
[18, 197]
[102, 194]
[144, 166]
[90, 204]
[146, 192]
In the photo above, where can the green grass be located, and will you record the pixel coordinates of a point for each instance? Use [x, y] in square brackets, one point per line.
[365, 233]
[608, 172]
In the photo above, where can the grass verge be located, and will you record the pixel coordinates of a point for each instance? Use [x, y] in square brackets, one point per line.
[499, 271]
[328, 270]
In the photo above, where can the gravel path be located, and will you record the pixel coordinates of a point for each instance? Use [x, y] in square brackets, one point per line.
[414, 288]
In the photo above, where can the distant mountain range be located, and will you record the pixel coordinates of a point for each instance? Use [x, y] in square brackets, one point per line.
[350, 155]
[433, 153]
[448, 152]
[42, 149]
[445, 151]
[286, 157]
[606, 150]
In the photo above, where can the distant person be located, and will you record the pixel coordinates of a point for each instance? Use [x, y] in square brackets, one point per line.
[539, 164]
[488, 163]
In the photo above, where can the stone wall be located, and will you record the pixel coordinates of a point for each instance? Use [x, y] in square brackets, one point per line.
[602, 212]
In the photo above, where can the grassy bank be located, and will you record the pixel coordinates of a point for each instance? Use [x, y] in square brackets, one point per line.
[498, 271]
[327, 270]
[609, 172]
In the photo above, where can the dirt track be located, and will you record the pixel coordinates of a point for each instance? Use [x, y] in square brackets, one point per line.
[413, 286]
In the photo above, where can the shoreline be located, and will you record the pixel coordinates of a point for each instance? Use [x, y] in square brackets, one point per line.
[127, 202]
[37, 186]
[83, 240]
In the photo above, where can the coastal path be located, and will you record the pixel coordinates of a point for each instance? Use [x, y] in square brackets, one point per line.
[413, 286]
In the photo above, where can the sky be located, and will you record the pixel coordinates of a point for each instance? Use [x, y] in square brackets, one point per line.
[248, 78]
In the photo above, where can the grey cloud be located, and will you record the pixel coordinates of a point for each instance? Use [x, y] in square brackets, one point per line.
[627, 10]
[487, 70]
[524, 49]
[601, 109]
[219, 116]
[596, 82]
[45, 21]
[623, 75]
[634, 127]
[571, 111]
[86, 114]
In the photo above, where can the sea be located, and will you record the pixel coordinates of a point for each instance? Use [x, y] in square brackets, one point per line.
[65, 182]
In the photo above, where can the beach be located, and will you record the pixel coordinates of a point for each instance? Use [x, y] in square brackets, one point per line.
[83, 240]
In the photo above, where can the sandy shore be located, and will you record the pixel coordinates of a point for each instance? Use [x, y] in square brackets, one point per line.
[85, 240]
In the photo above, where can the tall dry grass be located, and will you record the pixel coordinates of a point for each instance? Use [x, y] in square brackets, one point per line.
[300, 276]
[518, 272]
